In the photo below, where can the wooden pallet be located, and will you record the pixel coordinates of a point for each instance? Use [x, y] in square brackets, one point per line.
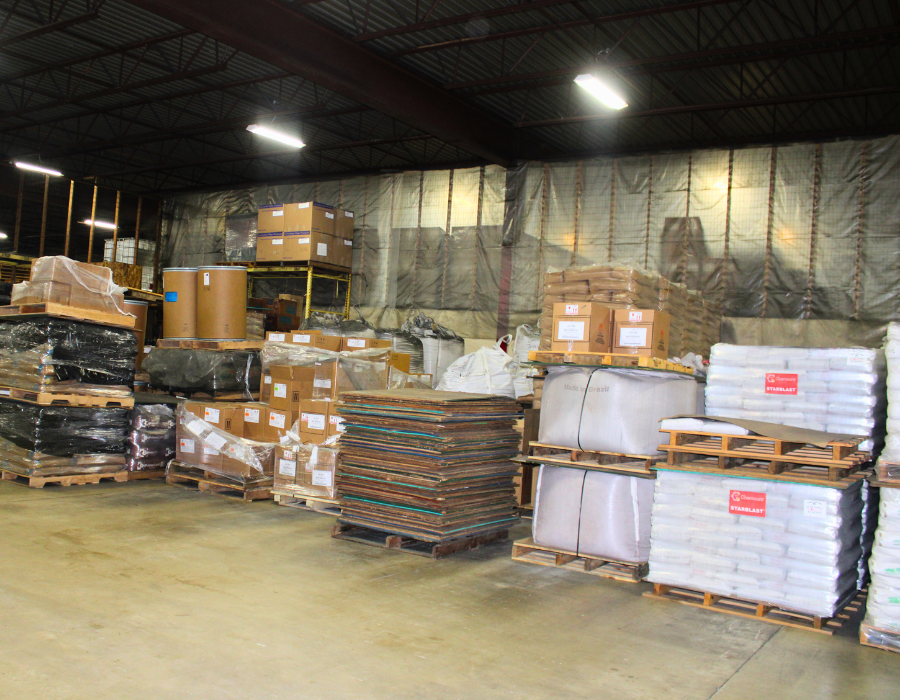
[52, 398]
[38, 482]
[837, 460]
[192, 478]
[432, 550]
[611, 462]
[218, 396]
[173, 344]
[892, 638]
[147, 474]
[69, 312]
[606, 359]
[530, 553]
[814, 476]
[317, 505]
[764, 612]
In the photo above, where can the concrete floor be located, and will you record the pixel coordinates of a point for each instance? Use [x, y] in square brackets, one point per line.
[142, 590]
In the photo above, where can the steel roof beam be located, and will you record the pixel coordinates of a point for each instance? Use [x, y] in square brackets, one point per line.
[52, 27]
[272, 31]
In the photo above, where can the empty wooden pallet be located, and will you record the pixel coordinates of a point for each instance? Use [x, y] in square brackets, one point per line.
[528, 552]
[612, 462]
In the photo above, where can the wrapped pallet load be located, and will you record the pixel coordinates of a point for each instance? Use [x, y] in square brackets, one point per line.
[441, 346]
[488, 370]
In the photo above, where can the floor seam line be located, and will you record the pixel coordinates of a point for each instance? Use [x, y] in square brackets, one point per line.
[746, 661]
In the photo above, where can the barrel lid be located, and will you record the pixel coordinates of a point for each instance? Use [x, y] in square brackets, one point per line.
[179, 269]
[223, 267]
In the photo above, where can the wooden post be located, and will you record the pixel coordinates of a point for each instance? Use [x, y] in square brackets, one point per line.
[91, 235]
[19, 212]
[44, 216]
[156, 252]
[116, 229]
[69, 217]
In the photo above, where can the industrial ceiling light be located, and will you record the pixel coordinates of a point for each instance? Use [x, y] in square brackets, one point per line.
[600, 89]
[275, 135]
[2, 236]
[39, 169]
[99, 224]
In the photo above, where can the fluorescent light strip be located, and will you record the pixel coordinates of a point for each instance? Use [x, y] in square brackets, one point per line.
[100, 224]
[601, 91]
[275, 135]
[2, 236]
[39, 169]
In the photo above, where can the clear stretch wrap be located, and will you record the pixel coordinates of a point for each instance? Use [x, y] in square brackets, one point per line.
[488, 370]
[788, 545]
[835, 390]
[210, 371]
[64, 281]
[151, 442]
[306, 470]
[883, 606]
[37, 352]
[206, 447]
[441, 346]
[29, 462]
[889, 462]
[335, 372]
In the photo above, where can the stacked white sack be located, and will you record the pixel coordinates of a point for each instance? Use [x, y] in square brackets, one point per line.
[836, 390]
[883, 606]
[801, 555]
[891, 451]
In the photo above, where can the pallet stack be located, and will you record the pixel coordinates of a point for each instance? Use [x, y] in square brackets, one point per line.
[66, 376]
[427, 471]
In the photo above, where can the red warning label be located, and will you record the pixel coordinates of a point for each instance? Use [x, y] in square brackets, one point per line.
[747, 503]
[785, 384]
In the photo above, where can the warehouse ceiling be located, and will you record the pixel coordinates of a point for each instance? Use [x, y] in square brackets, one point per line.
[155, 95]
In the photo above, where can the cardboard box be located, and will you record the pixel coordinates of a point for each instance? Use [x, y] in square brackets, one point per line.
[269, 247]
[290, 386]
[642, 332]
[307, 338]
[335, 422]
[84, 276]
[278, 423]
[310, 246]
[287, 323]
[243, 470]
[328, 342]
[317, 479]
[265, 387]
[270, 219]
[351, 344]
[401, 361]
[325, 384]
[225, 416]
[254, 421]
[191, 450]
[581, 327]
[314, 417]
[307, 217]
[343, 224]
[343, 252]
[285, 467]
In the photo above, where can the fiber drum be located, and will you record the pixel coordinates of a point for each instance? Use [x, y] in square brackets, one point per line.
[180, 303]
[222, 303]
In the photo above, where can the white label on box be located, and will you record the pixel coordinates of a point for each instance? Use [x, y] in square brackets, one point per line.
[287, 467]
[276, 420]
[303, 240]
[277, 241]
[317, 421]
[322, 383]
[205, 279]
[814, 509]
[211, 415]
[341, 427]
[186, 445]
[278, 212]
[303, 205]
[320, 477]
[348, 214]
[277, 337]
[349, 243]
[334, 420]
[322, 249]
[251, 415]
[329, 215]
[632, 337]
[210, 451]
[194, 426]
[217, 441]
[570, 330]
[299, 338]
[4, 392]
[635, 316]
[356, 342]
[571, 309]
[857, 358]
[279, 391]
[267, 379]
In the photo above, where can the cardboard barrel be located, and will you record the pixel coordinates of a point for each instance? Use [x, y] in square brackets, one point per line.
[222, 303]
[139, 310]
[180, 303]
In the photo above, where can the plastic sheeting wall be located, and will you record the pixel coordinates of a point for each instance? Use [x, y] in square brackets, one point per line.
[807, 231]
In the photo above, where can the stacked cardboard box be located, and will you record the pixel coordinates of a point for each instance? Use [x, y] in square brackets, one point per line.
[305, 232]
[305, 470]
[57, 279]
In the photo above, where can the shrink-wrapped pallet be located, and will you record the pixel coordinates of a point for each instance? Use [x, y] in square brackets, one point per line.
[883, 606]
[788, 545]
[835, 390]
[611, 410]
[151, 441]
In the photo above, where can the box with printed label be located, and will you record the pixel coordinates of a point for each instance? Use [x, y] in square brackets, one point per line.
[343, 252]
[315, 472]
[335, 422]
[307, 338]
[325, 384]
[270, 219]
[350, 344]
[581, 327]
[247, 472]
[278, 423]
[254, 421]
[401, 361]
[290, 385]
[306, 217]
[265, 387]
[328, 342]
[269, 247]
[344, 222]
[192, 450]
[225, 416]
[642, 332]
[312, 246]
[314, 417]
[285, 467]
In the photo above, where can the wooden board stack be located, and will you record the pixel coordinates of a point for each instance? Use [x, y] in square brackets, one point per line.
[430, 465]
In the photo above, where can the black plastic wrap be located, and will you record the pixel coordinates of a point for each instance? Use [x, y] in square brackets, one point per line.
[151, 442]
[208, 371]
[64, 431]
[38, 351]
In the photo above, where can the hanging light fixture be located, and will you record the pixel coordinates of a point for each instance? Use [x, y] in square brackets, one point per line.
[99, 224]
[600, 87]
[38, 169]
[275, 135]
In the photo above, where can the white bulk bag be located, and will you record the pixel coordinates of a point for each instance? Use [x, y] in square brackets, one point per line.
[485, 371]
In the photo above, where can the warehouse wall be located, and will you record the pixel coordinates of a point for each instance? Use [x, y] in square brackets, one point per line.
[806, 231]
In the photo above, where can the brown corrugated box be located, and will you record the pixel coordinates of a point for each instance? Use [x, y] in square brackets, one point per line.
[335, 422]
[581, 327]
[294, 337]
[304, 217]
[285, 467]
[270, 219]
[265, 386]
[278, 423]
[317, 479]
[314, 420]
[344, 223]
[254, 421]
[328, 342]
[350, 344]
[290, 385]
[239, 469]
[58, 269]
[269, 247]
[343, 252]
[642, 332]
[313, 246]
